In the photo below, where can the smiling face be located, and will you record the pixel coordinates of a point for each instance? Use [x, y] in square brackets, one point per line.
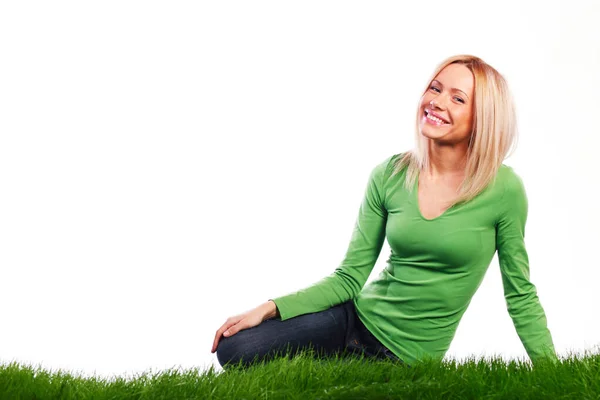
[447, 106]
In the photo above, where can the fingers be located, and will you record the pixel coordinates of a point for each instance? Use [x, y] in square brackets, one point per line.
[232, 326]
[220, 331]
[234, 329]
[227, 330]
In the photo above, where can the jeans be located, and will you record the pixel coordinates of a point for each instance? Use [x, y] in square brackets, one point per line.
[337, 330]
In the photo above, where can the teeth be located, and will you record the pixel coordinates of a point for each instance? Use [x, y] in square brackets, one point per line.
[435, 119]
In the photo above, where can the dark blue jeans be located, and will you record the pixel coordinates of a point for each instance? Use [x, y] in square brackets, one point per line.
[337, 330]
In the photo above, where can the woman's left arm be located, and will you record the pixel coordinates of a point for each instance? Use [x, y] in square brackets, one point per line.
[520, 293]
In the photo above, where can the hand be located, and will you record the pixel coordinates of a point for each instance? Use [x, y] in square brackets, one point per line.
[239, 322]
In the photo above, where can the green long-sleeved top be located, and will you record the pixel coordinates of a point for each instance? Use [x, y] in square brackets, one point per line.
[415, 304]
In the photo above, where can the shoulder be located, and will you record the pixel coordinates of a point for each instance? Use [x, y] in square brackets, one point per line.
[390, 160]
[385, 167]
[383, 174]
[510, 182]
[513, 203]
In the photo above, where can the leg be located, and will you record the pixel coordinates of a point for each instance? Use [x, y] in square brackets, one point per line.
[324, 331]
[361, 341]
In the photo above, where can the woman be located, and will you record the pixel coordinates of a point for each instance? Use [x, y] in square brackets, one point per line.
[445, 207]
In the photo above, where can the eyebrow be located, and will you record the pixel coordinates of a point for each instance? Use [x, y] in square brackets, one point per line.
[455, 89]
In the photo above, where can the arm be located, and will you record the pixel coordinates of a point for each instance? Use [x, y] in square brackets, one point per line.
[520, 293]
[365, 245]
[271, 310]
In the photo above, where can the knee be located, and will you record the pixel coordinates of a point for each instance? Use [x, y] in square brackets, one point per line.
[225, 350]
[230, 350]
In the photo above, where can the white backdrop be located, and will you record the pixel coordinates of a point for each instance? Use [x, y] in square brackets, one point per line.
[164, 166]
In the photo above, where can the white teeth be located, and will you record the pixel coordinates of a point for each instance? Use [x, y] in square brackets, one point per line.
[435, 119]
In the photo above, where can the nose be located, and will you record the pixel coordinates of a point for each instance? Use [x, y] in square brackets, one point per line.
[439, 102]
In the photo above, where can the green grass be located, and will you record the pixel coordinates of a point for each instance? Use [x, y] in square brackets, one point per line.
[304, 377]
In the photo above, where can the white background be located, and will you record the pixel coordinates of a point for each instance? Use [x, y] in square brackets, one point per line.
[164, 166]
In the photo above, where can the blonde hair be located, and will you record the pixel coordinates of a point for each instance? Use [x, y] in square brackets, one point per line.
[494, 133]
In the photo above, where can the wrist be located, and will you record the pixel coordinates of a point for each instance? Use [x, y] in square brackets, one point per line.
[270, 309]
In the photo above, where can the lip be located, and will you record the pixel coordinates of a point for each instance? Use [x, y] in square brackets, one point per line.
[428, 111]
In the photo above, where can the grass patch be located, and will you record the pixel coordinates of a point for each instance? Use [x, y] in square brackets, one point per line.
[305, 377]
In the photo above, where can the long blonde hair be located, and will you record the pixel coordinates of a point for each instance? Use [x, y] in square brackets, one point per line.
[494, 134]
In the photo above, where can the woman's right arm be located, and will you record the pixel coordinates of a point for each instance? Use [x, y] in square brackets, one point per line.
[365, 246]
[346, 281]
[272, 311]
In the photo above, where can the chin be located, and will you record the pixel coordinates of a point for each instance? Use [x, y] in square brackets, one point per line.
[433, 133]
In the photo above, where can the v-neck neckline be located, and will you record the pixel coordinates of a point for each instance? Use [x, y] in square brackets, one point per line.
[418, 207]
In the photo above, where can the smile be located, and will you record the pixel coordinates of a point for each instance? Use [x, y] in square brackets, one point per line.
[433, 119]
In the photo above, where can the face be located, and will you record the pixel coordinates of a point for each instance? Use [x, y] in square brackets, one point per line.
[446, 108]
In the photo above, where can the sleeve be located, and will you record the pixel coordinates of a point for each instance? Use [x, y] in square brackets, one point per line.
[520, 293]
[351, 275]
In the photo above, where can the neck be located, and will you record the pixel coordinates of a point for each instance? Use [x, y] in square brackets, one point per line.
[447, 160]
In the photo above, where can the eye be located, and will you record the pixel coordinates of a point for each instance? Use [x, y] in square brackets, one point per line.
[434, 88]
[459, 99]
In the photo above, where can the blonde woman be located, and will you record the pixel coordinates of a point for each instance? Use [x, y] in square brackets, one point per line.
[445, 207]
